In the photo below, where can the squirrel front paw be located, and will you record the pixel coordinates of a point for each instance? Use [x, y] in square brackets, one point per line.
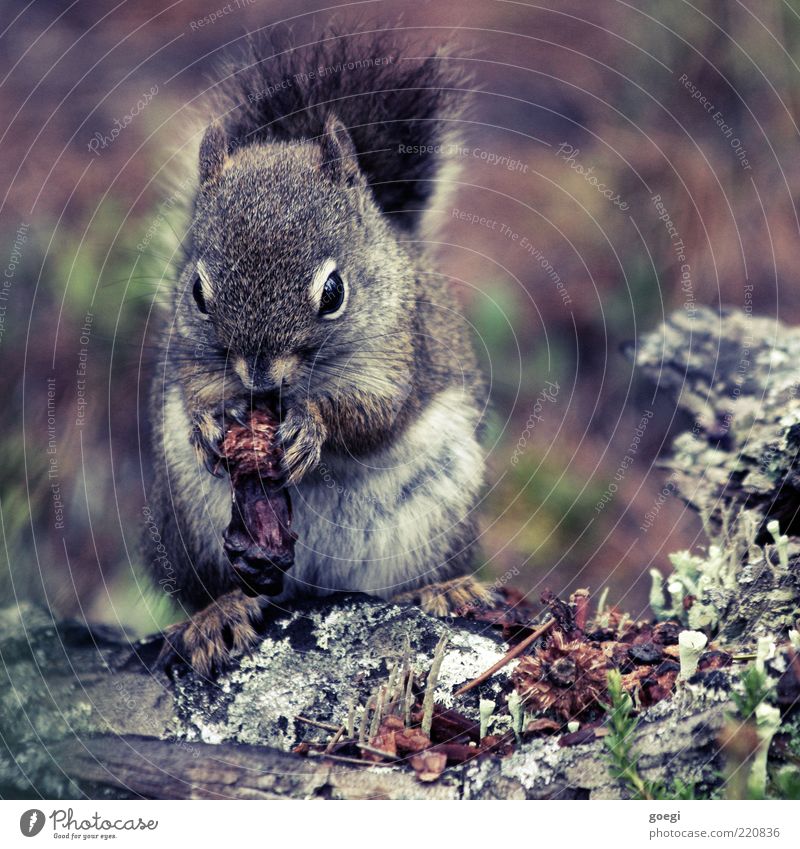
[303, 433]
[208, 429]
[205, 642]
[456, 597]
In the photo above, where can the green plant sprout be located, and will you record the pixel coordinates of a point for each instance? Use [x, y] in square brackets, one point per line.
[619, 743]
[622, 724]
[754, 690]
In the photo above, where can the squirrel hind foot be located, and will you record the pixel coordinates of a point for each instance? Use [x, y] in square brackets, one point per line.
[456, 597]
[208, 641]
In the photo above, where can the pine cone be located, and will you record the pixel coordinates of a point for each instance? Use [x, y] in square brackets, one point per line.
[254, 449]
[259, 541]
[566, 677]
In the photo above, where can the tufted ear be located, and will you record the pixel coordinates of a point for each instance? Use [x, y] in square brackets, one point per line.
[339, 156]
[213, 153]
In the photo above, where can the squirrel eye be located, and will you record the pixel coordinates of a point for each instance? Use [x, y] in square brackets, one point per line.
[333, 296]
[197, 292]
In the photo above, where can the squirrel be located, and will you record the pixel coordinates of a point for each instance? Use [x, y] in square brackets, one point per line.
[305, 282]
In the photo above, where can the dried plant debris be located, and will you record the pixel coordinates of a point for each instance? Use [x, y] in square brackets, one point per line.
[788, 688]
[258, 541]
[401, 724]
[561, 678]
[560, 688]
[542, 724]
[514, 617]
[565, 679]
[429, 765]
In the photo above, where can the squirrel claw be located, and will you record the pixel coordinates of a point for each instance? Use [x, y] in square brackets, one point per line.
[237, 411]
[206, 436]
[238, 416]
[207, 640]
[209, 457]
[456, 597]
[212, 465]
[303, 434]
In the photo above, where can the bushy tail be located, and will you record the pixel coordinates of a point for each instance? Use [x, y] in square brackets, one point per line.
[401, 108]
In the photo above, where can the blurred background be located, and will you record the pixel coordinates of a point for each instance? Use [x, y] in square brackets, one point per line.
[621, 160]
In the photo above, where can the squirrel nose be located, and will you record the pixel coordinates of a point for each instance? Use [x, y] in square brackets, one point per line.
[255, 375]
[262, 383]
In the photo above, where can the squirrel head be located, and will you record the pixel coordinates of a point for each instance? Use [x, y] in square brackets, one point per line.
[294, 282]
